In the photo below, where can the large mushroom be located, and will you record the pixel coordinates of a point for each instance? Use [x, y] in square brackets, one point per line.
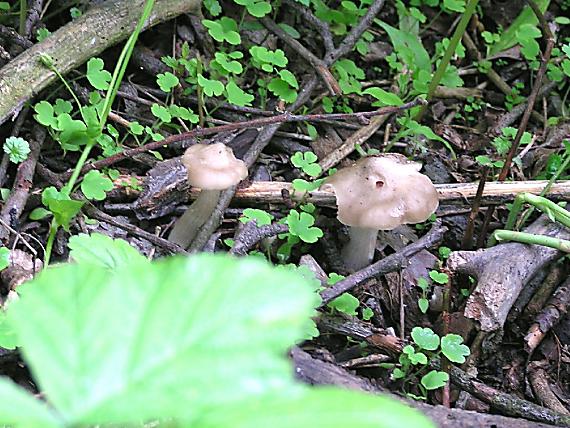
[212, 168]
[379, 193]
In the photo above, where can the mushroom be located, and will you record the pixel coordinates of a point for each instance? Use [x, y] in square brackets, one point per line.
[379, 193]
[212, 168]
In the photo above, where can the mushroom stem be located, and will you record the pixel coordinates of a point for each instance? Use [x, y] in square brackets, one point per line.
[186, 227]
[359, 251]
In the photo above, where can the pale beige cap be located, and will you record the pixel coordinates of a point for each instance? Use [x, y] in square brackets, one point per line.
[382, 192]
[213, 166]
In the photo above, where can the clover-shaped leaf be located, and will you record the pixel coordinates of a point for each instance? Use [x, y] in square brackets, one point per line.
[301, 185]
[257, 8]
[210, 87]
[267, 59]
[45, 114]
[224, 29]
[434, 380]
[167, 81]
[280, 88]
[73, 132]
[425, 338]
[262, 218]
[161, 112]
[227, 62]
[237, 96]
[95, 185]
[438, 277]
[453, 348]
[62, 207]
[307, 163]
[183, 113]
[97, 75]
[345, 303]
[62, 106]
[300, 224]
[17, 148]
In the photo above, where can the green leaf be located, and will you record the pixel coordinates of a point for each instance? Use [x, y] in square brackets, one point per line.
[45, 114]
[266, 59]
[417, 358]
[167, 81]
[367, 314]
[161, 113]
[384, 98]
[423, 304]
[136, 128]
[453, 348]
[95, 185]
[301, 185]
[318, 407]
[17, 148]
[73, 132]
[509, 36]
[63, 106]
[42, 34]
[425, 338]
[300, 224]
[434, 380]
[224, 29]
[97, 75]
[39, 213]
[345, 303]
[8, 339]
[226, 62]
[4, 258]
[183, 113]
[100, 250]
[454, 5]
[262, 218]
[290, 30]
[19, 408]
[280, 88]
[289, 77]
[307, 163]
[210, 87]
[213, 7]
[62, 207]
[155, 341]
[257, 8]
[438, 277]
[237, 96]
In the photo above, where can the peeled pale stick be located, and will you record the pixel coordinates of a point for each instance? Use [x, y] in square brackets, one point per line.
[379, 193]
[212, 168]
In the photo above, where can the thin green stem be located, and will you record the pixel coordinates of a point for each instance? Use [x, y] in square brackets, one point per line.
[51, 238]
[449, 52]
[529, 238]
[77, 170]
[23, 12]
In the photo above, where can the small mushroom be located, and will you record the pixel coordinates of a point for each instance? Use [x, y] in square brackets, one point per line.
[379, 193]
[212, 168]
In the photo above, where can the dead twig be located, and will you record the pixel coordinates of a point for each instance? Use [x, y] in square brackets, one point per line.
[387, 264]
[251, 234]
[318, 64]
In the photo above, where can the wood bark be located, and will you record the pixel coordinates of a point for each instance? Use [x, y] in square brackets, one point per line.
[98, 29]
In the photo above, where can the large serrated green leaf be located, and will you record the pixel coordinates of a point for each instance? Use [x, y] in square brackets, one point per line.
[147, 340]
[19, 409]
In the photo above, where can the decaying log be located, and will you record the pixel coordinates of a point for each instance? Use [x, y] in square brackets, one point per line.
[502, 271]
[71, 45]
[317, 372]
[165, 186]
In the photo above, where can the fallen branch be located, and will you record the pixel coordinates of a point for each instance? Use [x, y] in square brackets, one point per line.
[99, 28]
[317, 372]
[502, 271]
[387, 264]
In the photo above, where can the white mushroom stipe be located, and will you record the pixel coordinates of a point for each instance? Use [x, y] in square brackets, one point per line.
[212, 168]
[379, 193]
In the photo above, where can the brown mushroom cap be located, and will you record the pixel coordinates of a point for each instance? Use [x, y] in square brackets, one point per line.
[213, 166]
[382, 192]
